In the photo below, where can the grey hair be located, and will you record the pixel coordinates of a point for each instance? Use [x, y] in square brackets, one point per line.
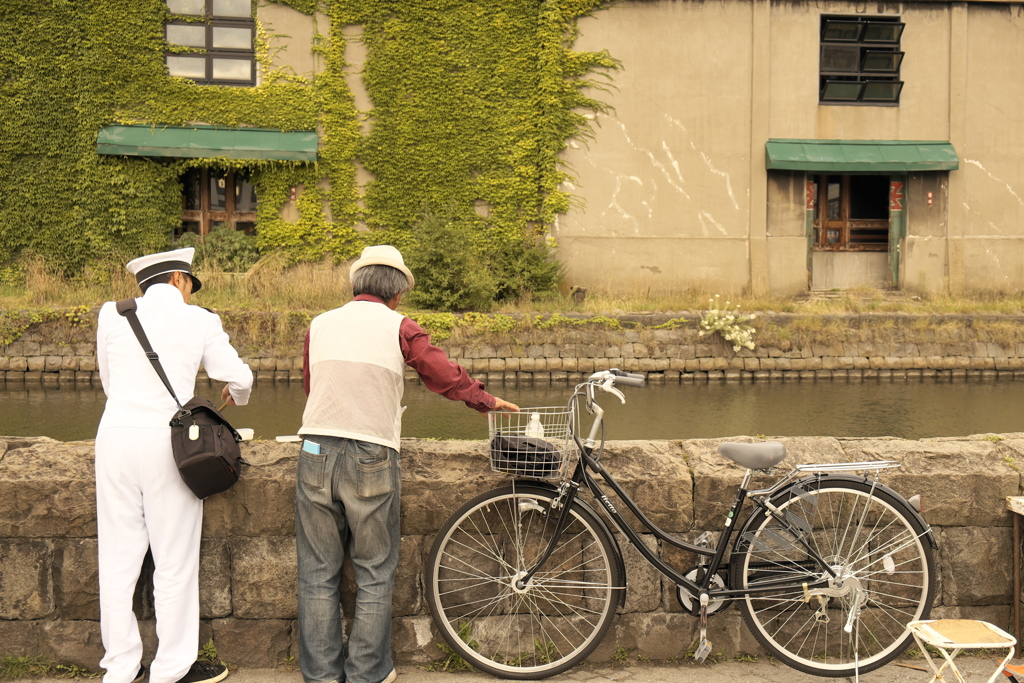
[380, 281]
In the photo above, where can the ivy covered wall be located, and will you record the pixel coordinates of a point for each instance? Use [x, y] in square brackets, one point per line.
[472, 103]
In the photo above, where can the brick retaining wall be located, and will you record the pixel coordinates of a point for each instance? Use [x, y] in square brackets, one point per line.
[48, 583]
[872, 347]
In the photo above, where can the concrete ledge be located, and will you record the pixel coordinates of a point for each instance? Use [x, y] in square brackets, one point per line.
[48, 584]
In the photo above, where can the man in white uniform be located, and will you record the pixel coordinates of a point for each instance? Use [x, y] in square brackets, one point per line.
[140, 499]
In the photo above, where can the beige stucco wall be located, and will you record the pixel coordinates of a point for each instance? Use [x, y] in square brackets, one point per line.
[675, 173]
[290, 35]
[665, 183]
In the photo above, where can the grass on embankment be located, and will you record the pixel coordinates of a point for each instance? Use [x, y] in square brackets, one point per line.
[271, 305]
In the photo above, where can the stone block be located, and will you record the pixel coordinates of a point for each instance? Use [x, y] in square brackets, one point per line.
[643, 593]
[438, 477]
[25, 580]
[414, 640]
[263, 578]
[260, 643]
[76, 588]
[214, 579]
[976, 565]
[962, 482]
[263, 500]
[20, 638]
[72, 642]
[36, 363]
[68, 363]
[407, 598]
[656, 636]
[655, 475]
[496, 365]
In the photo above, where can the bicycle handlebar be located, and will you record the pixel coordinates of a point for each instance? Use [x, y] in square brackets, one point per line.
[630, 380]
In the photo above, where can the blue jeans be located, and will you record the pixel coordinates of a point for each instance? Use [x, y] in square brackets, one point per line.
[346, 500]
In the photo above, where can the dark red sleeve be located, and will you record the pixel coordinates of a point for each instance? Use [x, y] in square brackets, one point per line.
[305, 364]
[439, 374]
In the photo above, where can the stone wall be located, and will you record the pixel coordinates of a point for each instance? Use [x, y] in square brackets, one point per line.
[48, 582]
[886, 347]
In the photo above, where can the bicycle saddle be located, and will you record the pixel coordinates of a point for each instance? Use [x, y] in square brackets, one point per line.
[754, 456]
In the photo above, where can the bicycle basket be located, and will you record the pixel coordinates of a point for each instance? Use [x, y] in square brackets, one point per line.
[535, 442]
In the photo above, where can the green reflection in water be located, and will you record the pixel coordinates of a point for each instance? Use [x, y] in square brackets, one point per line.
[909, 410]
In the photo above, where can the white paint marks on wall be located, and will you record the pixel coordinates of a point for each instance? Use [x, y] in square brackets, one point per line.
[707, 161]
[976, 163]
[706, 218]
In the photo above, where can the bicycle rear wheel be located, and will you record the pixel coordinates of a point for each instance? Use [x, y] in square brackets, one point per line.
[877, 549]
[531, 633]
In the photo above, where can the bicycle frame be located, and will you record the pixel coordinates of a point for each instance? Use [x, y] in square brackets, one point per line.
[582, 475]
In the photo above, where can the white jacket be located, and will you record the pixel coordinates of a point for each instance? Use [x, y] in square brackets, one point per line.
[184, 337]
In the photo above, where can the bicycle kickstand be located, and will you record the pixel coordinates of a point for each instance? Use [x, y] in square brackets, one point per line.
[703, 644]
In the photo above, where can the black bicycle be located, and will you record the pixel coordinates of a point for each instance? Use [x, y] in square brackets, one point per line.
[524, 580]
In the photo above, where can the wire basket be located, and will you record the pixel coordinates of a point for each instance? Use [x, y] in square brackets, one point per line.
[535, 442]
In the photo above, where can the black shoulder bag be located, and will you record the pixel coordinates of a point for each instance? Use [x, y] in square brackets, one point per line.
[204, 444]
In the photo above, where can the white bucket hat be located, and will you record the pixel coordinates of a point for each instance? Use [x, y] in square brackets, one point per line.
[382, 255]
[148, 267]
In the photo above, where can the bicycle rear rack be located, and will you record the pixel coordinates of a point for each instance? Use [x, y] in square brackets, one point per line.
[825, 468]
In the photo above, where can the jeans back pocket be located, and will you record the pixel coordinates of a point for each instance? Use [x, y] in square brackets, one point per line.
[312, 467]
[375, 471]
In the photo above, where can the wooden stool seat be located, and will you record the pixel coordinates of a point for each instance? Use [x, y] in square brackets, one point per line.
[952, 636]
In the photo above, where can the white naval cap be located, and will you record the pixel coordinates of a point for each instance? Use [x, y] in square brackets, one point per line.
[147, 267]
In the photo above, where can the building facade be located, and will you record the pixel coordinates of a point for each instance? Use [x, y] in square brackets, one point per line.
[778, 147]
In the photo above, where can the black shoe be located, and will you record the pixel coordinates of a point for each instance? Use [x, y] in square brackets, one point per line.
[205, 672]
[139, 676]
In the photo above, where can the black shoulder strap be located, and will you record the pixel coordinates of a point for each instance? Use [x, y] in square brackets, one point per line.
[127, 308]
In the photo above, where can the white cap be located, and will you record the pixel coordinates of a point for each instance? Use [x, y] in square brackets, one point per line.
[148, 267]
[382, 255]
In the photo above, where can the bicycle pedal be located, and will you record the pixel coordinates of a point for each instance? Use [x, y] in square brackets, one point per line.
[702, 651]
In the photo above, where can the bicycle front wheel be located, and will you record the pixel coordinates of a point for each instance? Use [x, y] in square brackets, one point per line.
[884, 570]
[552, 623]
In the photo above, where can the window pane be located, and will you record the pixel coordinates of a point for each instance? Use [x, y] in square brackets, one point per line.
[840, 58]
[186, 226]
[191, 35]
[245, 195]
[247, 228]
[217, 190]
[833, 200]
[888, 62]
[186, 67]
[841, 91]
[846, 31]
[232, 38]
[194, 7]
[232, 69]
[232, 8]
[882, 91]
[883, 32]
[869, 197]
[191, 189]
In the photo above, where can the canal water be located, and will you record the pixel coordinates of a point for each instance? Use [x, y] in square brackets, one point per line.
[909, 410]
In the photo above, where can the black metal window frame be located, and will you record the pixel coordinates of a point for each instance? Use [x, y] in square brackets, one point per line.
[209, 53]
[860, 60]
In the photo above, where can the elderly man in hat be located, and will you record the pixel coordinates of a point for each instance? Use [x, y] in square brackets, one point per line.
[348, 480]
[141, 500]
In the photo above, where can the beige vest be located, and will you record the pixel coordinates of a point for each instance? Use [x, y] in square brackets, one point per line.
[356, 374]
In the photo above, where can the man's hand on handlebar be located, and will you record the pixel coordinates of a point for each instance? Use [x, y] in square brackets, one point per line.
[499, 404]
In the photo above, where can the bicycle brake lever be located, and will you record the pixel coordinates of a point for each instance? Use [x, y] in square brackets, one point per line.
[607, 386]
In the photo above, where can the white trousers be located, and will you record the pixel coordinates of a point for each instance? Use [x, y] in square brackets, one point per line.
[142, 503]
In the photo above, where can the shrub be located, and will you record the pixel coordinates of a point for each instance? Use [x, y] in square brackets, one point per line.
[224, 249]
[450, 268]
[526, 267]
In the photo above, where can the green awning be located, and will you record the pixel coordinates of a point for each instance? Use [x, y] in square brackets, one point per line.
[208, 141]
[860, 156]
